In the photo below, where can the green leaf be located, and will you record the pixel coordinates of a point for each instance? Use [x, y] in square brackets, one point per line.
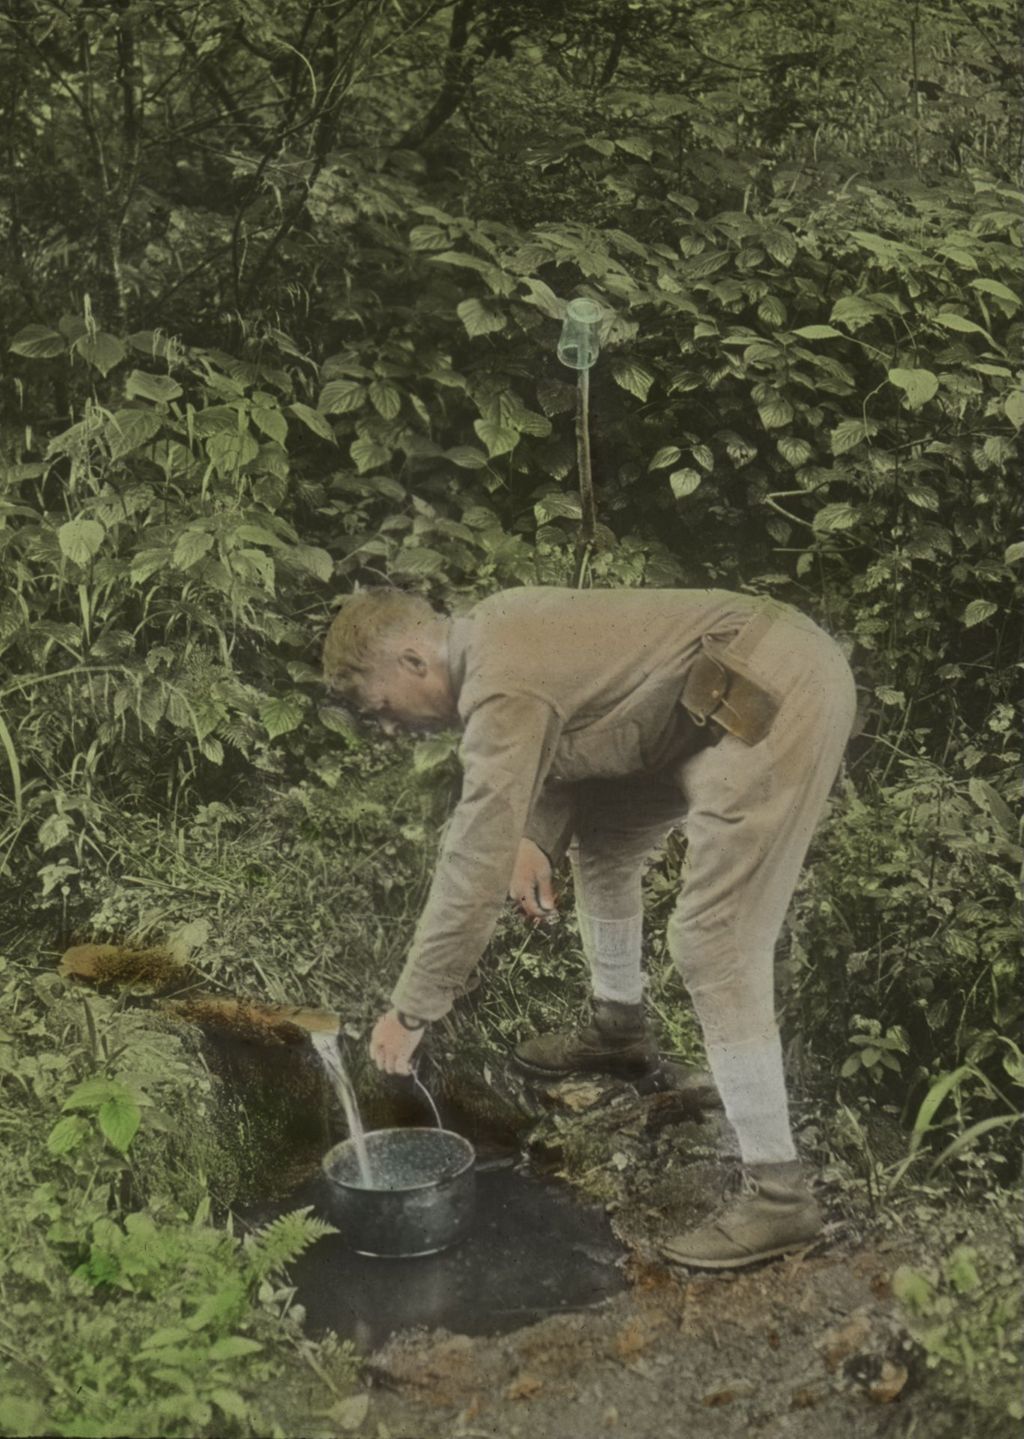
[775, 413]
[684, 482]
[931, 1102]
[977, 611]
[368, 454]
[558, 506]
[960, 323]
[428, 237]
[854, 311]
[190, 547]
[101, 350]
[958, 255]
[544, 298]
[230, 452]
[919, 386]
[780, 245]
[19, 1415]
[987, 798]
[386, 399]
[39, 342]
[772, 311]
[340, 397]
[270, 422]
[664, 457]
[234, 1346]
[129, 430]
[337, 720]
[794, 451]
[231, 1403]
[160, 388]
[91, 1093]
[923, 496]
[417, 560]
[850, 433]
[835, 517]
[632, 377]
[498, 438]
[314, 560]
[167, 1335]
[818, 332]
[480, 317]
[1014, 552]
[1013, 408]
[961, 1271]
[998, 289]
[67, 1134]
[704, 456]
[314, 421]
[467, 457]
[965, 1140]
[119, 1120]
[80, 539]
[146, 563]
[436, 750]
[281, 716]
[913, 1289]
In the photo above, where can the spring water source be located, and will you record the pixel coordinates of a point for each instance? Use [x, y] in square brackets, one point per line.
[326, 1046]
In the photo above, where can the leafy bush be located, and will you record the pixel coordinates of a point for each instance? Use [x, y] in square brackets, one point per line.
[901, 962]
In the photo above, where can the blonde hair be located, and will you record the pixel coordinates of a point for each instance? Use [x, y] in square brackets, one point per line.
[361, 629]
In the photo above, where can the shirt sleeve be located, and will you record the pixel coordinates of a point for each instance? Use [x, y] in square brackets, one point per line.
[506, 751]
[552, 819]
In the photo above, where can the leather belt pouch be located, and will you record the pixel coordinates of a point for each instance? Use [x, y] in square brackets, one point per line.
[737, 703]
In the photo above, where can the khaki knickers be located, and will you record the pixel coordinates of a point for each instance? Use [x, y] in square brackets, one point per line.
[749, 812]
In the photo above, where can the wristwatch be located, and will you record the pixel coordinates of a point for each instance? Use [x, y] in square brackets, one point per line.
[409, 1021]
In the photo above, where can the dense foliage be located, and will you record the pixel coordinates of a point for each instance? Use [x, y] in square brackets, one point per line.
[281, 291]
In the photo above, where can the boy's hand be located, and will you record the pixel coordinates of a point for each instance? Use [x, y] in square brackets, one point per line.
[392, 1045]
[530, 886]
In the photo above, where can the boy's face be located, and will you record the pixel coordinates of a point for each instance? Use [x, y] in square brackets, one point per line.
[405, 693]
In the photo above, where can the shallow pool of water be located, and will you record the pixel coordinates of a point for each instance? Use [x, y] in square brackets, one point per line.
[535, 1249]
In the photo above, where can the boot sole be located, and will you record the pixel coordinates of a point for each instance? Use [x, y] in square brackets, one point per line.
[743, 1260]
[637, 1070]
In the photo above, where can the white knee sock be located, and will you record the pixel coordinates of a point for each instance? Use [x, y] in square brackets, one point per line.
[613, 948]
[753, 1089]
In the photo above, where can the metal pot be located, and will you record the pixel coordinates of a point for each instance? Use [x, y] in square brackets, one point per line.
[423, 1194]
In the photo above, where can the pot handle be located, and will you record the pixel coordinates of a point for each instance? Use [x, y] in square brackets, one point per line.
[430, 1098]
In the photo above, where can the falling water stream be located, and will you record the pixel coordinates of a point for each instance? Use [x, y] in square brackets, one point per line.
[326, 1045]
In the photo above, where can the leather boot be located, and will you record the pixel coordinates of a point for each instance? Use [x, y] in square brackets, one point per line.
[774, 1214]
[615, 1040]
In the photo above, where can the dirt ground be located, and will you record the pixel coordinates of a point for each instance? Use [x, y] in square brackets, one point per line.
[808, 1347]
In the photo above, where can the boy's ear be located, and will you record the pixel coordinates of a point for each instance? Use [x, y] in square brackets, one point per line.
[411, 659]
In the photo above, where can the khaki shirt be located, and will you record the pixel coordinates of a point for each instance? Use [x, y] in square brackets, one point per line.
[553, 686]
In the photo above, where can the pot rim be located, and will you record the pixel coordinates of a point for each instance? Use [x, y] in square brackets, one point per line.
[404, 1188]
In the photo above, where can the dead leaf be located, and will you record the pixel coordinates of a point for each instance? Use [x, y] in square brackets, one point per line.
[839, 1344]
[350, 1413]
[525, 1387]
[889, 1384]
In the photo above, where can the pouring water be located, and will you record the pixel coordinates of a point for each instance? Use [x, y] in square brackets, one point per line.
[326, 1046]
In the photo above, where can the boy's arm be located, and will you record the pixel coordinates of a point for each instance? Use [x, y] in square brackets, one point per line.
[506, 751]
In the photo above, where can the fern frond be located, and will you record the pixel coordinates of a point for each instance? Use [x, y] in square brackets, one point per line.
[283, 1240]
